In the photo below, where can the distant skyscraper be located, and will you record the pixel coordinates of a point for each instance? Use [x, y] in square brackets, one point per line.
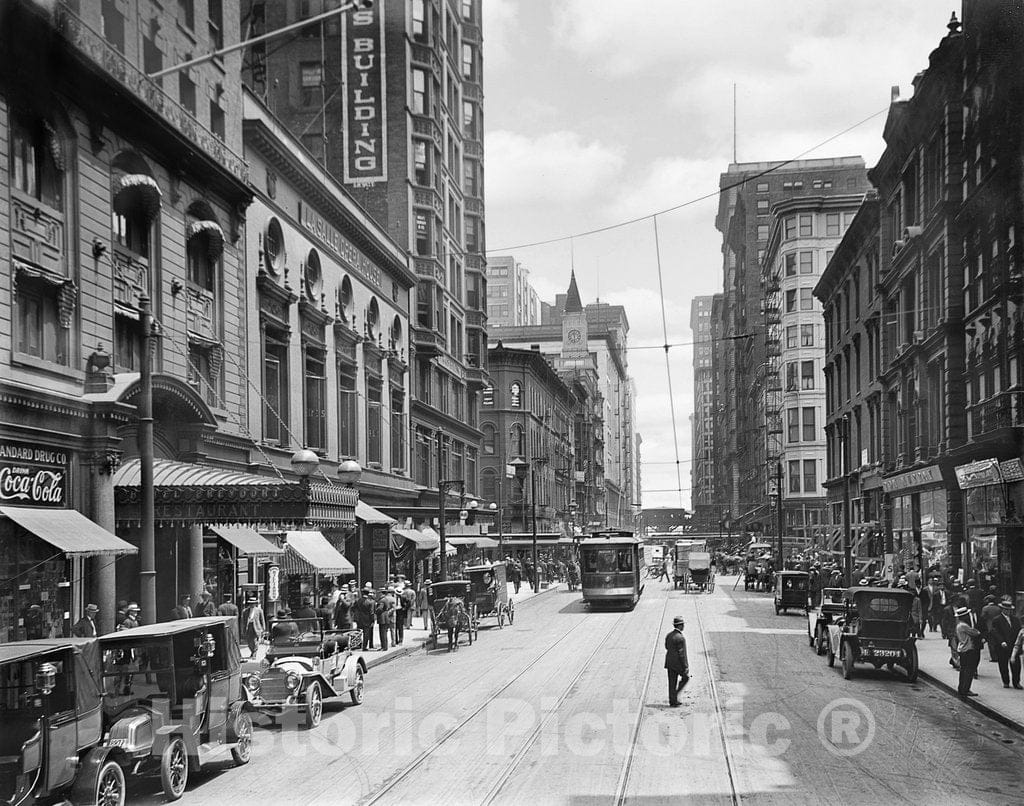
[511, 300]
[702, 467]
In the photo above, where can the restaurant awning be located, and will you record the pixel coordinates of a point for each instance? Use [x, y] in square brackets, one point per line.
[310, 553]
[69, 531]
[248, 541]
[423, 541]
[367, 514]
[479, 541]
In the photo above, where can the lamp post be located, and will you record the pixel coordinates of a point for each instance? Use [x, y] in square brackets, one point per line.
[349, 473]
[847, 553]
[305, 463]
[442, 493]
[147, 538]
[495, 507]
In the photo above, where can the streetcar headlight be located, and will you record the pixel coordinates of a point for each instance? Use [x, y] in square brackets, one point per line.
[292, 680]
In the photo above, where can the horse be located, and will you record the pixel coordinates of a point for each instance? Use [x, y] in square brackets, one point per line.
[453, 616]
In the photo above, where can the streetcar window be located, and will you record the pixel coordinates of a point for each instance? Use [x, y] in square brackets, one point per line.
[603, 561]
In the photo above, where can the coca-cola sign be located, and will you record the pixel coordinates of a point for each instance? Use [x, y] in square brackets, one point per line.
[33, 475]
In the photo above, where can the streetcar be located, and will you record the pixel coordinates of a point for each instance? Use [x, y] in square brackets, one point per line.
[612, 564]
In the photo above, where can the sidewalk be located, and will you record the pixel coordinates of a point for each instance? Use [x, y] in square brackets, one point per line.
[1005, 705]
[415, 636]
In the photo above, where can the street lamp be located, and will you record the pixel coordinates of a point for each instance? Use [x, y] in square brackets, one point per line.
[496, 508]
[349, 472]
[305, 463]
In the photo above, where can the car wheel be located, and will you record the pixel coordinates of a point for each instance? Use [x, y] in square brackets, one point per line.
[314, 704]
[174, 768]
[356, 694]
[830, 652]
[912, 664]
[110, 785]
[847, 659]
[242, 751]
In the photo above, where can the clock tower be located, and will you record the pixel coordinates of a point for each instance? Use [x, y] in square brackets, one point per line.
[574, 324]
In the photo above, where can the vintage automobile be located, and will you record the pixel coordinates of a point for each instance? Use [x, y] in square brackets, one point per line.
[51, 723]
[818, 618]
[791, 589]
[875, 628]
[306, 665]
[172, 699]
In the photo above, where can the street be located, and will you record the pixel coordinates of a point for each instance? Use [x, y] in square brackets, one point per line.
[569, 706]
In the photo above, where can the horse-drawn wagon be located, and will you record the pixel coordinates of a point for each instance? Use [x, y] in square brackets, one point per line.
[452, 610]
[490, 593]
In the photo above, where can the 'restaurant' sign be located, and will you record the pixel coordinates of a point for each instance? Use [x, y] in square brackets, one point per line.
[365, 103]
[983, 473]
[33, 475]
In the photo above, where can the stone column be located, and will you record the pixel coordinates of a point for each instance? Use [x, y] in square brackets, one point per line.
[195, 563]
[103, 588]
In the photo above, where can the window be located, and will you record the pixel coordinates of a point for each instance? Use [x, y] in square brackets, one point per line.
[152, 56]
[215, 24]
[762, 187]
[469, 120]
[310, 80]
[794, 475]
[422, 234]
[810, 430]
[806, 375]
[127, 344]
[473, 235]
[187, 13]
[517, 442]
[762, 232]
[468, 62]
[217, 123]
[275, 386]
[791, 376]
[832, 224]
[790, 300]
[373, 420]
[806, 335]
[792, 425]
[487, 397]
[515, 395]
[762, 206]
[187, 92]
[790, 260]
[810, 476]
[316, 400]
[790, 227]
[791, 335]
[420, 98]
[348, 408]
[421, 162]
[488, 439]
[397, 429]
[113, 24]
[40, 333]
[806, 299]
[419, 20]
[200, 374]
[807, 262]
[471, 178]
[806, 225]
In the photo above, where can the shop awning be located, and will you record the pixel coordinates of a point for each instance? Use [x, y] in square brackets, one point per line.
[310, 553]
[423, 541]
[480, 542]
[367, 514]
[248, 541]
[69, 531]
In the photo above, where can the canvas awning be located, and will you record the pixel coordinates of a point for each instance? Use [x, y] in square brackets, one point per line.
[480, 542]
[248, 541]
[68, 531]
[310, 553]
[368, 514]
[423, 541]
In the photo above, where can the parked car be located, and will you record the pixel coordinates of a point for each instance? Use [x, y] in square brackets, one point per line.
[818, 618]
[172, 699]
[306, 665]
[791, 589]
[875, 629]
[51, 725]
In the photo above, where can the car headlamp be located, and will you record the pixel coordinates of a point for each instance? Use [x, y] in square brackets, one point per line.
[292, 680]
[253, 683]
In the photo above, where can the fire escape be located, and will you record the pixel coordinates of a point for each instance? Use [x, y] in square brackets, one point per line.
[773, 403]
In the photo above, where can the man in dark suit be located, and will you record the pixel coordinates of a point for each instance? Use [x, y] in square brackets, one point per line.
[675, 661]
[1003, 632]
[85, 627]
[184, 608]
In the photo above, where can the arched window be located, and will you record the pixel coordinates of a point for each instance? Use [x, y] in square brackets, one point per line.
[204, 246]
[515, 395]
[372, 318]
[312, 277]
[135, 204]
[516, 441]
[487, 396]
[273, 247]
[396, 334]
[345, 301]
[488, 440]
[488, 484]
[37, 160]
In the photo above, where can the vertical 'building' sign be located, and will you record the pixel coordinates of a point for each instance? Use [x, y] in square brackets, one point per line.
[365, 107]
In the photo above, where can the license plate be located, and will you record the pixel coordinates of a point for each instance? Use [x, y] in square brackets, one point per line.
[885, 653]
[117, 742]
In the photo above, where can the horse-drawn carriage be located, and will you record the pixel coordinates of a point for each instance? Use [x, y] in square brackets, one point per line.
[699, 574]
[452, 610]
[490, 593]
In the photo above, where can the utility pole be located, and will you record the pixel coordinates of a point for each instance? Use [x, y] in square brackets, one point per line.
[533, 527]
[147, 538]
[778, 506]
[847, 553]
[441, 493]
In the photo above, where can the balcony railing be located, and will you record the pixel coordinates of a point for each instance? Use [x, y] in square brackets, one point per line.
[131, 277]
[201, 312]
[37, 233]
[1002, 411]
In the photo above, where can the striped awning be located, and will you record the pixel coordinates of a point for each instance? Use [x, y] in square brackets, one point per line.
[367, 514]
[310, 553]
[423, 541]
[69, 531]
[248, 541]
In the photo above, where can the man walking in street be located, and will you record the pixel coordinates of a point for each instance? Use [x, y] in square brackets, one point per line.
[937, 601]
[85, 627]
[989, 611]
[363, 613]
[1003, 633]
[515, 573]
[675, 661]
[385, 612]
[968, 649]
[255, 624]
[423, 602]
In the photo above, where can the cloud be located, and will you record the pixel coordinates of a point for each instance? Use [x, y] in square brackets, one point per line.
[500, 23]
[557, 167]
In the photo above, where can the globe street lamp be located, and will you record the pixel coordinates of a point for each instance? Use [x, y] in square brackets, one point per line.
[349, 472]
[305, 463]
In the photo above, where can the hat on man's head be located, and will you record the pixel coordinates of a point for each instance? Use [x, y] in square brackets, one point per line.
[989, 599]
[427, 582]
[678, 621]
[252, 600]
[961, 611]
[91, 608]
[1006, 605]
[368, 586]
[133, 608]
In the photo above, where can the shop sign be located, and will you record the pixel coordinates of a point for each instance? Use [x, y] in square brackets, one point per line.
[1011, 470]
[365, 109]
[273, 583]
[914, 478]
[982, 473]
[341, 246]
[33, 475]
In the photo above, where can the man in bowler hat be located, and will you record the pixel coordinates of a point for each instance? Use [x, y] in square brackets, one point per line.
[675, 661]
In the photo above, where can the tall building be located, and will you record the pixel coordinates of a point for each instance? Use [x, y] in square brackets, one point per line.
[802, 239]
[511, 300]
[390, 98]
[749, 192]
[591, 341]
[705, 403]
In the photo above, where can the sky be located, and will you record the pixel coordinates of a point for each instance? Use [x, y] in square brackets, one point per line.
[599, 112]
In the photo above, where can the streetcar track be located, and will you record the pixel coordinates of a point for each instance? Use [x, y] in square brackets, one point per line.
[427, 753]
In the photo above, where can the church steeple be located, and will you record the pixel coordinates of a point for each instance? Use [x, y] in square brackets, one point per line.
[572, 298]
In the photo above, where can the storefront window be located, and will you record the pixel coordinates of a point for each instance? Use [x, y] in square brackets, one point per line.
[34, 588]
[934, 532]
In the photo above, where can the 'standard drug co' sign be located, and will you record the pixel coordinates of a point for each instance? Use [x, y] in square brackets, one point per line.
[33, 475]
[365, 107]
